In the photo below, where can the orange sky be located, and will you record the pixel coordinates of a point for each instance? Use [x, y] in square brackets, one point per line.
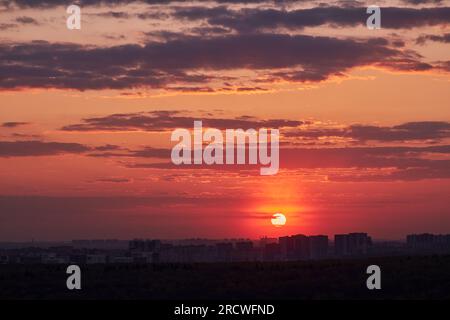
[369, 150]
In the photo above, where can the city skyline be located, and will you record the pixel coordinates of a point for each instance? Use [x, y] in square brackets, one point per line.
[263, 238]
[296, 247]
[86, 118]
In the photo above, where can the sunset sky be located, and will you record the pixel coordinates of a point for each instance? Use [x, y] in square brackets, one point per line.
[86, 118]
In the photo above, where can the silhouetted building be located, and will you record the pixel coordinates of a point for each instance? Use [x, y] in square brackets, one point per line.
[4, 259]
[271, 252]
[224, 251]
[96, 258]
[287, 247]
[301, 247]
[244, 245]
[428, 243]
[265, 241]
[105, 244]
[244, 251]
[78, 258]
[340, 245]
[318, 247]
[144, 245]
[420, 240]
[352, 244]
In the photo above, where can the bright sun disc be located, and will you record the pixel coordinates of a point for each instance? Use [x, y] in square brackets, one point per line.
[278, 220]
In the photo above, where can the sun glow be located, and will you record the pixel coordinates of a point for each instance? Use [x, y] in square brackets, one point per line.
[278, 220]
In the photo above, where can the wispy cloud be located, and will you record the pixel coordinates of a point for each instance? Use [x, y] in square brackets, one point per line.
[167, 120]
[13, 124]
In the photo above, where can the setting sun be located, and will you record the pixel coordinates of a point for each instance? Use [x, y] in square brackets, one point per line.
[278, 220]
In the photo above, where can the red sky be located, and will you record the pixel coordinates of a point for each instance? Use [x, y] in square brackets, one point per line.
[86, 117]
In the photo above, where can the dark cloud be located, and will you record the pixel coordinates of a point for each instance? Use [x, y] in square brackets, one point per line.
[26, 20]
[108, 154]
[13, 124]
[410, 174]
[44, 4]
[114, 180]
[207, 89]
[44, 65]
[151, 153]
[7, 26]
[28, 148]
[114, 36]
[251, 20]
[108, 147]
[443, 65]
[208, 31]
[114, 14]
[147, 152]
[167, 120]
[346, 157]
[363, 157]
[445, 38]
[420, 2]
[54, 3]
[25, 135]
[425, 130]
[40, 64]
[389, 163]
[38, 148]
[197, 89]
